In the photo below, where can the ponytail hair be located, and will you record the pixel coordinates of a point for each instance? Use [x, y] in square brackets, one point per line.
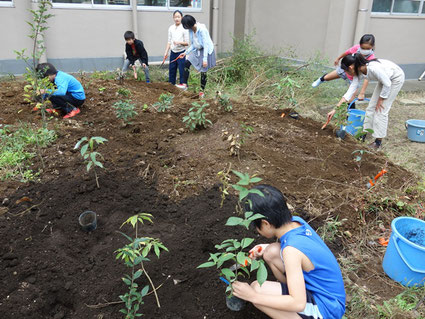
[368, 38]
[357, 59]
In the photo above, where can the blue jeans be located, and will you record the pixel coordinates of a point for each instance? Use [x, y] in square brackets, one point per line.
[173, 68]
[146, 70]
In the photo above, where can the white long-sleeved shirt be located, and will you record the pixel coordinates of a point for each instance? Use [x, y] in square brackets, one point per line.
[383, 71]
[178, 34]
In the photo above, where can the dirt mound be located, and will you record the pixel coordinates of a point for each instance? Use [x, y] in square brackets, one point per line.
[54, 270]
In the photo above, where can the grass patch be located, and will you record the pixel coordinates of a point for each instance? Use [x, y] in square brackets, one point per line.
[18, 146]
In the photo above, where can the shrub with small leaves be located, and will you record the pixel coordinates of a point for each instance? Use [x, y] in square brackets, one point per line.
[125, 110]
[196, 117]
[88, 147]
[225, 102]
[124, 92]
[165, 101]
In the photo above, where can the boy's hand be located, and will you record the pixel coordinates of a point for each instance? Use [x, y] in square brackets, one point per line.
[336, 62]
[331, 115]
[257, 251]
[243, 290]
[144, 65]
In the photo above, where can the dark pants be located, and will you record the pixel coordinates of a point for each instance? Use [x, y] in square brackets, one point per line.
[66, 103]
[173, 68]
[186, 75]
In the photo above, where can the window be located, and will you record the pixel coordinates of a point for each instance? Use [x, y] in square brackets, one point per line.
[397, 7]
[6, 3]
[93, 2]
[171, 3]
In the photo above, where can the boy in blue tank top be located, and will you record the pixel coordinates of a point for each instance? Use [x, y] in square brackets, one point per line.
[310, 282]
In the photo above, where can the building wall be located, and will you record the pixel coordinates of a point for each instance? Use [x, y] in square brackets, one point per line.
[86, 39]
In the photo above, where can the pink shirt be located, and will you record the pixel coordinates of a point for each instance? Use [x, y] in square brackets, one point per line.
[356, 49]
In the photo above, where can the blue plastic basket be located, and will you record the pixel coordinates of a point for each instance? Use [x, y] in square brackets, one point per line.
[404, 259]
[416, 130]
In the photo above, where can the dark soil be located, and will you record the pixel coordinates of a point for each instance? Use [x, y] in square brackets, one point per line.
[52, 269]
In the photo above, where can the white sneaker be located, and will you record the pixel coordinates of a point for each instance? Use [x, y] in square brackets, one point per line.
[182, 86]
[316, 83]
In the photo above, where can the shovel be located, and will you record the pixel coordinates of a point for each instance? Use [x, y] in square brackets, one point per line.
[163, 61]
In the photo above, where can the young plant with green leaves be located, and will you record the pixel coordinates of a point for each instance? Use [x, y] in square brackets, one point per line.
[165, 102]
[196, 117]
[246, 131]
[341, 114]
[37, 85]
[125, 110]
[88, 152]
[124, 92]
[224, 101]
[231, 260]
[285, 89]
[134, 254]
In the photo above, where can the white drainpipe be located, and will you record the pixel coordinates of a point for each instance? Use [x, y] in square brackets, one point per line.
[215, 24]
[363, 17]
[135, 24]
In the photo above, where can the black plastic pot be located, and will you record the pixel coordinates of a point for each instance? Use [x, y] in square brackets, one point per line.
[340, 133]
[88, 221]
[235, 303]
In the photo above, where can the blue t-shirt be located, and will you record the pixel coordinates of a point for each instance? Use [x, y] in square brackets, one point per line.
[325, 280]
[67, 83]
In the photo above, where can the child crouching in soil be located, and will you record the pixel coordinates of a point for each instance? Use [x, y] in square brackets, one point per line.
[69, 94]
[310, 283]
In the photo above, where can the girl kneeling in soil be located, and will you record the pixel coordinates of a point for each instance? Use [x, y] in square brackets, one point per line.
[310, 281]
[200, 54]
[390, 79]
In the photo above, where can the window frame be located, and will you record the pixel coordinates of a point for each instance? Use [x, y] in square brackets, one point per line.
[398, 14]
[7, 4]
[93, 6]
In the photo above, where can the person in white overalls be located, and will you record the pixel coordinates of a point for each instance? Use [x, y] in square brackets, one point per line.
[390, 78]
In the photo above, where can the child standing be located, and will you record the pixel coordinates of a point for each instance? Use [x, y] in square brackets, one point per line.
[390, 78]
[135, 51]
[69, 94]
[366, 47]
[178, 39]
[200, 54]
[310, 283]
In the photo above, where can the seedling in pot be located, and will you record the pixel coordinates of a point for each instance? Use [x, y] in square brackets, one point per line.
[232, 250]
[134, 254]
[88, 147]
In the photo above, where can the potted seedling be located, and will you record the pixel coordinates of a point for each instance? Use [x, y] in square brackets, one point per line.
[232, 260]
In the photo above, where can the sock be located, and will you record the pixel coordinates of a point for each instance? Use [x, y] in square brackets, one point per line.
[322, 78]
[378, 142]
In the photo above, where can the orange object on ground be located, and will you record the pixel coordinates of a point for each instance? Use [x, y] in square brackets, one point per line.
[282, 115]
[383, 242]
[373, 182]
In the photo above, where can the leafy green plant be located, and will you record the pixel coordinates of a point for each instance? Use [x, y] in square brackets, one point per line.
[88, 152]
[37, 87]
[359, 154]
[134, 254]
[165, 101]
[17, 148]
[330, 230]
[341, 114]
[285, 88]
[232, 250]
[404, 305]
[125, 110]
[124, 92]
[102, 89]
[145, 107]
[247, 130]
[225, 102]
[196, 117]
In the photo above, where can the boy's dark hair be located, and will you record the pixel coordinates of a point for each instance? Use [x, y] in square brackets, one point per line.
[45, 69]
[129, 35]
[188, 21]
[178, 11]
[368, 38]
[357, 59]
[272, 206]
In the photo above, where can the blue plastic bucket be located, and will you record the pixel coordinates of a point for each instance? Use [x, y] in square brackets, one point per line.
[404, 259]
[416, 130]
[355, 121]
